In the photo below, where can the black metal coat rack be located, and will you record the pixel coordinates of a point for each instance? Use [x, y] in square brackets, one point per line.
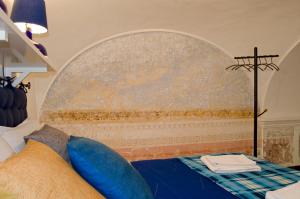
[262, 62]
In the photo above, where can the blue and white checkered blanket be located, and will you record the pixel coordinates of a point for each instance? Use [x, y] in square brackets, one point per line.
[249, 184]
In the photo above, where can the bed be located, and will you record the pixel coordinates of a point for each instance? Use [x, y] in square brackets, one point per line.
[179, 177]
[174, 178]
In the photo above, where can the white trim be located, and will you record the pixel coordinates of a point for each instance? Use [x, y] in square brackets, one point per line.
[23, 70]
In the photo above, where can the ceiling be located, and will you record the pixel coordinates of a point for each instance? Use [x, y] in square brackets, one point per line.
[234, 25]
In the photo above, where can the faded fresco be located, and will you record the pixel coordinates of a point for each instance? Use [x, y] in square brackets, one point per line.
[279, 142]
[151, 73]
[149, 76]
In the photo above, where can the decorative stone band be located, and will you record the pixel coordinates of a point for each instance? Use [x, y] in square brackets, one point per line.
[161, 139]
[158, 152]
[80, 116]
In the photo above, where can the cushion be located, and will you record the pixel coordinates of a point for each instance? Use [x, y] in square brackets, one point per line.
[52, 137]
[5, 150]
[106, 170]
[38, 172]
[15, 136]
[3, 129]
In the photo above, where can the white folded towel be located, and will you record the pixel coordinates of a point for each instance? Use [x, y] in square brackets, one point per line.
[288, 192]
[229, 163]
[234, 160]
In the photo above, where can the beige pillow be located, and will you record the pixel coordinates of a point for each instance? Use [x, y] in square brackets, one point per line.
[5, 195]
[39, 173]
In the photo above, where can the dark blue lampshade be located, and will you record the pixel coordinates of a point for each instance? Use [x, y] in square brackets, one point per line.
[30, 14]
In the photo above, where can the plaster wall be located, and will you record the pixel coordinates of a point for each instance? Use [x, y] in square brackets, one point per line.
[281, 125]
[236, 26]
[283, 95]
[153, 91]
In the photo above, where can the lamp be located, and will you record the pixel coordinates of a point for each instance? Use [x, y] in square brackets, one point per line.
[30, 17]
[30, 14]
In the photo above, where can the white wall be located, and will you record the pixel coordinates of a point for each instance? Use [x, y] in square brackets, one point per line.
[236, 26]
[283, 96]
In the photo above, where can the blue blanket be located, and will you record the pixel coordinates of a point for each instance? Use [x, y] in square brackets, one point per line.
[249, 184]
[171, 179]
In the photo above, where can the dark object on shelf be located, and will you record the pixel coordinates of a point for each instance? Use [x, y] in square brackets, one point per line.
[3, 6]
[41, 48]
[28, 33]
[267, 63]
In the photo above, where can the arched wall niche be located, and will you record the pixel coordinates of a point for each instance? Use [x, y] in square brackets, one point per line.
[152, 90]
[280, 124]
[283, 96]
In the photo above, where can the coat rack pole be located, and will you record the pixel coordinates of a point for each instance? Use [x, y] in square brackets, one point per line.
[255, 68]
[255, 102]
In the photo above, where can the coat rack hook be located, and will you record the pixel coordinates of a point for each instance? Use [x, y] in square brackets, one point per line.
[266, 110]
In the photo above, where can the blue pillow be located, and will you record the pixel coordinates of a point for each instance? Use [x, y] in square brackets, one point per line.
[106, 170]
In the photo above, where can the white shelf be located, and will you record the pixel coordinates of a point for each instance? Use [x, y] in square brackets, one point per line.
[17, 52]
